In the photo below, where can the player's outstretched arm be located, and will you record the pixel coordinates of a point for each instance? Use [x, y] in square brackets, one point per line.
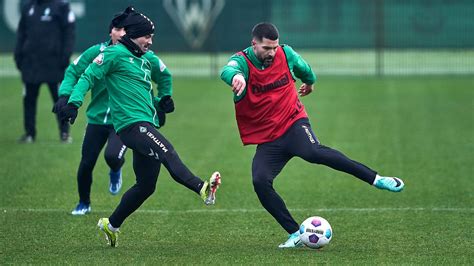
[96, 71]
[73, 73]
[235, 65]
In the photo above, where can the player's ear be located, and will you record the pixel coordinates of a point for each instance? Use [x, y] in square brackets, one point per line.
[254, 42]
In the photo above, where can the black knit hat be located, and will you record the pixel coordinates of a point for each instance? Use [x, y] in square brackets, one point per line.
[119, 18]
[138, 25]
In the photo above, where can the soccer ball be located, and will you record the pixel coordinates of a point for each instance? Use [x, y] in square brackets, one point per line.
[315, 232]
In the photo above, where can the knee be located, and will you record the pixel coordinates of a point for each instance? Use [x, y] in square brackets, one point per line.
[113, 160]
[170, 156]
[148, 189]
[261, 183]
[87, 163]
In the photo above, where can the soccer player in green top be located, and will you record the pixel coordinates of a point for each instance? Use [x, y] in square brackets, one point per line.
[128, 73]
[270, 114]
[99, 127]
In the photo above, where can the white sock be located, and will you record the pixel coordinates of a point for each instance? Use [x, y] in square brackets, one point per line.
[377, 178]
[113, 229]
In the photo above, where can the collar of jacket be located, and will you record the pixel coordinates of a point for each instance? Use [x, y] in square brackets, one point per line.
[131, 46]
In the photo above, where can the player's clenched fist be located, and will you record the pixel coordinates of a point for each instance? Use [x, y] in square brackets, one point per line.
[238, 84]
[305, 89]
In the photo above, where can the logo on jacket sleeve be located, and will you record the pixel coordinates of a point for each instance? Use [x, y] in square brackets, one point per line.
[162, 65]
[233, 63]
[99, 59]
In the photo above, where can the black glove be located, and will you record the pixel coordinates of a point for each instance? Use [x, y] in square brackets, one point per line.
[59, 104]
[166, 104]
[68, 113]
[161, 118]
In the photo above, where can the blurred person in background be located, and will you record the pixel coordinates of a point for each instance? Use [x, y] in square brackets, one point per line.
[270, 115]
[45, 40]
[128, 72]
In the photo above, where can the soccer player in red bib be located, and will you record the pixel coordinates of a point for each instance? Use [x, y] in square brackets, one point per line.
[270, 115]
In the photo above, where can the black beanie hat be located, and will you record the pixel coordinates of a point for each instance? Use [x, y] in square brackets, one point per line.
[138, 25]
[119, 18]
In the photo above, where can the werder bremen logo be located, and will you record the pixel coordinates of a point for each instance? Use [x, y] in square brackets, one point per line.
[194, 18]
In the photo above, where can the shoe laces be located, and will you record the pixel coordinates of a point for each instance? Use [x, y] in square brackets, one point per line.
[390, 181]
[294, 235]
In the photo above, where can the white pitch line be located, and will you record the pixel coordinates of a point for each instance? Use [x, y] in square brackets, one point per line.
[408, 209]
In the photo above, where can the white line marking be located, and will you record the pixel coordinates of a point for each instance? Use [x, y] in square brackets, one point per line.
[408, 209]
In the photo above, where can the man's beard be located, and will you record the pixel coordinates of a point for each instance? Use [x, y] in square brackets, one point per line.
[267, 61]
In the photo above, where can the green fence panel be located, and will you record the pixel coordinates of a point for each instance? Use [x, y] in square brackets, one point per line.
[224, 25]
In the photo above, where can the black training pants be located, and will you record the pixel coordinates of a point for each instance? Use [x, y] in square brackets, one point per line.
[150, 150]
[94, 140]
[30, 101]
[300, 141]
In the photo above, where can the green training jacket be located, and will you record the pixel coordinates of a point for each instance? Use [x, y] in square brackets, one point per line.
[128, 82]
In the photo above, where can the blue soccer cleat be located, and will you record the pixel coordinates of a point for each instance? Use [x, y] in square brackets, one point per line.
[393, 184]
[115, 182]
[81, 209]
[293, 241]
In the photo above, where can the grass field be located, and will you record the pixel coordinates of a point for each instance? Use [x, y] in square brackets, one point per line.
[418, 128]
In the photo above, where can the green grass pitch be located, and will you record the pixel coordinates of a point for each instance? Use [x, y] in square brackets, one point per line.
[418, 128]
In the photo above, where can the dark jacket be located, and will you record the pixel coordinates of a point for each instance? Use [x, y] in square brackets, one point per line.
[45, 40]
